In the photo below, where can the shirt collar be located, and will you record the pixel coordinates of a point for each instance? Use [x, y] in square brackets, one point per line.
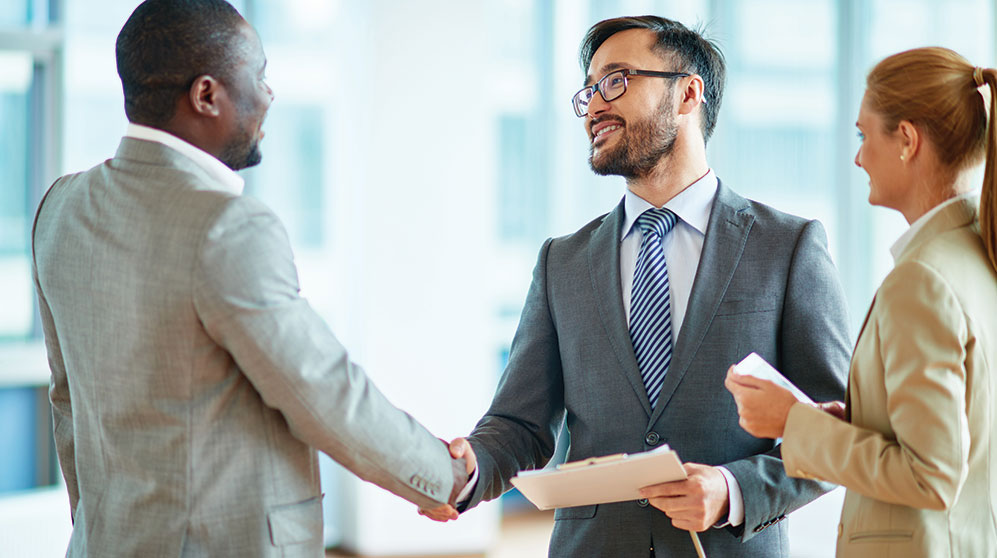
[692, 205]
[228, 180]
[898, 247]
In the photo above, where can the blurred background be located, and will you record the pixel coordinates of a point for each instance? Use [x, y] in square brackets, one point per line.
[419, 152]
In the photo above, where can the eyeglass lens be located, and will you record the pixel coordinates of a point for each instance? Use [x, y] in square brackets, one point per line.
[611, 86]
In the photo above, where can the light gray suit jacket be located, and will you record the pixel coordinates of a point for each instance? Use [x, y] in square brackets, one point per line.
[765, 283]
[190, 381]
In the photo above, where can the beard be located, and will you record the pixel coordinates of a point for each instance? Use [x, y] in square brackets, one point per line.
[642, 146]
[243, 151]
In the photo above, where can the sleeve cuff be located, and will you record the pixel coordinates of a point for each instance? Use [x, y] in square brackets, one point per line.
[735, 516]
[465, 493]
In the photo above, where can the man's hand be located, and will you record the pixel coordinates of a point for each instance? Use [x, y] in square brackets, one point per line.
[762, 405]
[441, 513]
[459, 448]
[694, 504]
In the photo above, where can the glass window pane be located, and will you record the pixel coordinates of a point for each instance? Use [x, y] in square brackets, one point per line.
[14, 13]
[16, 71]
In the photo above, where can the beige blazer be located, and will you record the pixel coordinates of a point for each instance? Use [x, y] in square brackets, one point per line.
[918, 457]
[191, 384]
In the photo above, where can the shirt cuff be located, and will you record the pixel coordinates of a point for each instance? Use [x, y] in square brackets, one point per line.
[465, 493]
[735, 516]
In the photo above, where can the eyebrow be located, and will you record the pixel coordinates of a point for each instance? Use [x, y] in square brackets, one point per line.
[605, 70]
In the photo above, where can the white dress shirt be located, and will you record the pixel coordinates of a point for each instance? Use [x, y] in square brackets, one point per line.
[226, 177]
[683, 247]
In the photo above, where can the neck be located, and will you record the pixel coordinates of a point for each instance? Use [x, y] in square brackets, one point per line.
[674, 173]
[931, 193]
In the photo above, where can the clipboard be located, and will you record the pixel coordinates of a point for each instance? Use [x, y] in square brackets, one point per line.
[599, 480]
[602, 480]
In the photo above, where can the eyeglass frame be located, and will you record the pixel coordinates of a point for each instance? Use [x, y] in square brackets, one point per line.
[626, 72]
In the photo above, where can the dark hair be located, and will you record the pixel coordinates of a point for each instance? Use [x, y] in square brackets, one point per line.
[694, 53]
[938, 90]
[165, 45]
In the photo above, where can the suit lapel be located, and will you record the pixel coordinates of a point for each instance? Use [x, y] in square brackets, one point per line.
[604, 269]
[726, 235]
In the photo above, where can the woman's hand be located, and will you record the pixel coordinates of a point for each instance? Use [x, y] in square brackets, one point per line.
[762, 405]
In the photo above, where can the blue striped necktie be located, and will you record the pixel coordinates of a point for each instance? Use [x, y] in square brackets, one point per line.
[650, 302]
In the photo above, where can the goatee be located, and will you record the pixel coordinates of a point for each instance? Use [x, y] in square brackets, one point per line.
[642, 146]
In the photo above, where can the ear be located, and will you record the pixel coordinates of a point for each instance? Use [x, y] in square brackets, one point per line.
[204, 95]
[910, 140]
[692, 95]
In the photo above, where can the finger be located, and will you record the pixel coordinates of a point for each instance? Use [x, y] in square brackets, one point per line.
[748, 381]
[665, 490]
[690, 524]
[441, 513]
[739, 386]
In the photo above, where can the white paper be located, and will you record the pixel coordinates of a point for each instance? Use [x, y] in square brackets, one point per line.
[608, 480]
[754, 365]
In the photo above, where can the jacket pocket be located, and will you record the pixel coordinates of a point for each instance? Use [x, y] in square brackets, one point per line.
[578, 512]
[880, 537]
[295, 523]
[748, 306]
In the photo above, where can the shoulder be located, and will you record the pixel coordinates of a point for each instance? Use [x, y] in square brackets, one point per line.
[236, 214]
[582, 236]
[954, 261]
[768, 225]
[763, 215]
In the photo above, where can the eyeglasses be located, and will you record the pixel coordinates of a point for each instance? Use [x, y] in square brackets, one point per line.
[612, 86]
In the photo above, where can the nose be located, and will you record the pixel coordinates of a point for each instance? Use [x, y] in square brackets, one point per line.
[597, 105]
[858, 156]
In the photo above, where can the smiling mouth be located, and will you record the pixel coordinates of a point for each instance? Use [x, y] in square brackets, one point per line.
[605, 131]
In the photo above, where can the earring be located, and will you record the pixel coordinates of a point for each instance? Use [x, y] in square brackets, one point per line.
[902, 158]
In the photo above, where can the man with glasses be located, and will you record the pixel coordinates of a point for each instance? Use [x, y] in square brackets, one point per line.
[631, 322]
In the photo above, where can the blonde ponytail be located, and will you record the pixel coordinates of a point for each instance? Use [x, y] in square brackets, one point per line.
[988, 196]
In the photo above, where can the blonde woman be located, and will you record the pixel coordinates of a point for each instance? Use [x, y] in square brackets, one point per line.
[914, 441]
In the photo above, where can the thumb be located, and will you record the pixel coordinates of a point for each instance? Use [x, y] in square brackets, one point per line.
[460, 447]
[457, 447]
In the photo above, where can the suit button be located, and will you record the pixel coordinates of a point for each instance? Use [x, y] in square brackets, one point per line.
[652, 438]
[642, 502]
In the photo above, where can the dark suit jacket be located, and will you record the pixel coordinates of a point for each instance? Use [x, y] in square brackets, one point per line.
[765, 283]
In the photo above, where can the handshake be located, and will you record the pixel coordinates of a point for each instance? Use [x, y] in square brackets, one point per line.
[459, 448]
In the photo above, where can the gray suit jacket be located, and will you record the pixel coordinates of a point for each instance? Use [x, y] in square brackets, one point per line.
[190, 381]
[765, 283]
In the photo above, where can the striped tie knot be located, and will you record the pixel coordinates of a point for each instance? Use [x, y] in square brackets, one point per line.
[657, 221]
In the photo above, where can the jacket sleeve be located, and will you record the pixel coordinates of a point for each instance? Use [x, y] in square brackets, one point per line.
[519, 430]
[813, 353]
[923, 334]
[62, 405]
[58, 392]
[246, 295]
